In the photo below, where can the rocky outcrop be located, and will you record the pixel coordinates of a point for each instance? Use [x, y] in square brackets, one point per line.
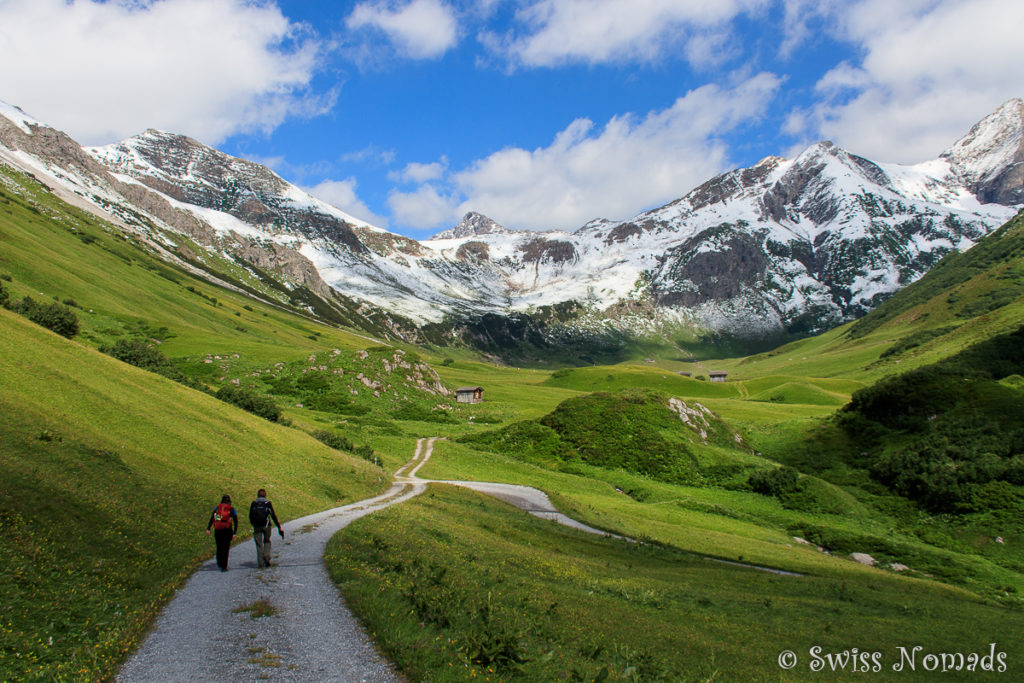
[716, 265]
[542, 250]
[473, 251]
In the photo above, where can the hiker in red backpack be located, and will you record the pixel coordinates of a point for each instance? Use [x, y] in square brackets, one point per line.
[224, 521]
[261, 512]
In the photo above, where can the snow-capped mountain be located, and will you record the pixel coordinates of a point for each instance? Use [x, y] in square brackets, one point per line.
[797, 244]
[786, 244]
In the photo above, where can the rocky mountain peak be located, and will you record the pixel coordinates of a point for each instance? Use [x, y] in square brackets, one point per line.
[990, 158]
[473, 224]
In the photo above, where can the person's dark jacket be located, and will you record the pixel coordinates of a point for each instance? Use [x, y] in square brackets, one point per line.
[271, 517]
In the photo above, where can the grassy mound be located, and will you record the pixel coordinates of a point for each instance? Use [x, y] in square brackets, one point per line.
[641, 431]
[803, 393]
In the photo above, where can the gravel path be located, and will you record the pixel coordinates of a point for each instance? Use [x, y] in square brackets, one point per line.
[205, 633]
[525, 498]
[312, 637]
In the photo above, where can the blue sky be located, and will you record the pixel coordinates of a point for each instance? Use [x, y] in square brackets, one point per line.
[539, 113]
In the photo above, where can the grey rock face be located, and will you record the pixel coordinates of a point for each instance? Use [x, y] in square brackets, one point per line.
[191, 172]
[473, 224]
[990, 158]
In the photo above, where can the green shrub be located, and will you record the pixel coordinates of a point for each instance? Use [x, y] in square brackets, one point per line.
[4, 296]
[774, 482]
[249, 400]
[420, 413]
[333, 439]
[366, 453]
[54, 317]
[328, 402]
[314, 382]
[144, 354]
[137, 352]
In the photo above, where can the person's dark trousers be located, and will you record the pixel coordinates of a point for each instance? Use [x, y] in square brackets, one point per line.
[223, 538]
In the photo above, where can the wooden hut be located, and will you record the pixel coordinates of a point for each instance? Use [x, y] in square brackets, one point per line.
[469, 394]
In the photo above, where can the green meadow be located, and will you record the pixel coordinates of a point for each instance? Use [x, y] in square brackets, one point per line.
[457, 586]
[110, 472]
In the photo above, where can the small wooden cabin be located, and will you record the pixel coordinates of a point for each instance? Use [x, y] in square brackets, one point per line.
[717, 376]
[469, 394]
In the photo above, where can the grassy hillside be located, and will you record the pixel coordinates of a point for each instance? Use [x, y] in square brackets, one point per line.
[109, 475]
[950, 435]
[119, 288]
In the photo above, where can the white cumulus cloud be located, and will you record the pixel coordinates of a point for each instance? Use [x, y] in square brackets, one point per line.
[206, 68]
[425, 207]
[630, 164]
[930, 69]
[342, 194]
[420, 29]
[554, 32]
[420, 173]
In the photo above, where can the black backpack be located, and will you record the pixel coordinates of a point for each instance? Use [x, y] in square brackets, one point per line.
[259, 515]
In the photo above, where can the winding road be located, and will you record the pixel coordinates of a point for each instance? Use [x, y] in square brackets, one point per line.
[206, 633]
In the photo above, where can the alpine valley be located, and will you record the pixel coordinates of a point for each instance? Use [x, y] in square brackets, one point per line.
[785, 248]
[177, 324]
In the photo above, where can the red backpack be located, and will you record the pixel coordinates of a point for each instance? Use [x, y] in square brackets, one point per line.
[222, 516]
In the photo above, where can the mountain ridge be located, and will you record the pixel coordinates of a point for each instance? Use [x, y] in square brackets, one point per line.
[794, 245]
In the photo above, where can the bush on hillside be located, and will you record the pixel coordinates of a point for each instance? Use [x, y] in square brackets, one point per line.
[249, 400]
[527, 440]
[366, 453]
[937, 433]
[55, 317]
[4, 296]
[420, 413]
[775, 482]
[145, 355]
[333, 439]
[329, 402]
[137, 352]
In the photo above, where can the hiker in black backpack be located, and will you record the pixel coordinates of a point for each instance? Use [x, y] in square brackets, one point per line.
[224, 521]
[261, 513]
